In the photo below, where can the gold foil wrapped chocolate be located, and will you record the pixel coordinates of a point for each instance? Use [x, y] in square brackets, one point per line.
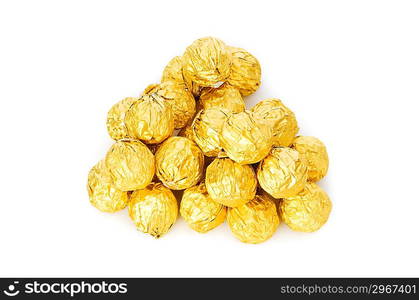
[226, 97]
[254, 222]
[206, 130]
[116, 116]
[230, 183]
[280, 118]
[200, 211]
[308, 210]
[179, 163]
[244, 139]
[150, 119]
[178, 97]
[207, 62]
[245, 71]
[102, 192]
[282, 173]
[173, 72]
[315, 154]
[130, 164]
[153, 209]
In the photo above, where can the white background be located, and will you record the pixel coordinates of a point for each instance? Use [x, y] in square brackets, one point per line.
[348, 69]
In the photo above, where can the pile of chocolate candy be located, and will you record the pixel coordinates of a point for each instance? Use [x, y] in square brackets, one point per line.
[193, 133]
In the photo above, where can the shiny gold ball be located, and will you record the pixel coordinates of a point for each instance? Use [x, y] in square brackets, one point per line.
[280, 118]
[230, 183]
[116, 116]
[254, 222]
[179, 98]
[200, 211]
[315, 154]
[150, 119]
[207, 62]
[102, 192]
[308, 210]
[245, 71]
[179, 163]
[153, 209]
[130, 164]
[244, 139]
[282, 173]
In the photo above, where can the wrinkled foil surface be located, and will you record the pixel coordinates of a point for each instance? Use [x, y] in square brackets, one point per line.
[282, 173]
[254, 222]
[244, 139]
[115, 120]
[315, 154]
[206, 130]
[180, 99]
[173, 72]
[226, 97]
[230, 183]
[245, 71]
[179, 163]
[280, 118]
[153, 209]
[131, 165]
[207, 62]
[200, 211]
[150, 119]
[102, 192]
[308, 210]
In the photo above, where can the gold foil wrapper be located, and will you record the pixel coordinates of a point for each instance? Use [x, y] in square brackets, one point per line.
[308, 210]
[150, 119]
[206, 130]
[282, 173]
[178, 97]
[116, 116]
[244, 139]
[230, 183]
[187, 132]
[173, 72]
[130, 164]
[315, 154]
[280, 118]
[207, 62]
[153, 209]
[102, 192]
[226, 97]
[200, 211]
[179, 163]
[254, 222]
[245, 71]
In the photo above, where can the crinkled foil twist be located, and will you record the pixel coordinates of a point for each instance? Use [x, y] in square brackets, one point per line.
[245, 71]
[278, 117]
[315, 154]
[178, 97]
[173, 72]
[179, 163]
[150, 119]
[254, 222]
[130, 164]
[308, 210]
[206, 130]
[153, 209]
[207, 62]
[102, 192]
[226, 97]
[282, 173]
[230, 183]
[116, 116]
[244, 139]
[200, 211]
